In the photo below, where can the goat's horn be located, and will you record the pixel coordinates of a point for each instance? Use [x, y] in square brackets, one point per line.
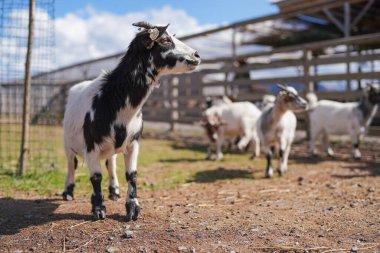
[282, 87]
[162, 29]
[143, 24]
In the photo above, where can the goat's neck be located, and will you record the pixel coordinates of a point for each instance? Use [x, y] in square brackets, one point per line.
[368, 110]
[366, 107]
[277, 111]
[132, 80]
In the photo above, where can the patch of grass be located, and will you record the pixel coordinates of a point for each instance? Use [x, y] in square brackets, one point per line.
[161, 164]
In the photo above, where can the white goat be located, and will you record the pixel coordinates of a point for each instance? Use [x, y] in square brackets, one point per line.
[229, 121]
[267, 102]
[330, 117]
[103, 117]
[276, 127]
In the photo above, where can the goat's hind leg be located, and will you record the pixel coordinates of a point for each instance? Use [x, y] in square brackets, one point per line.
[113, 187]
[72, 164]
[132, 204]
[355, 147]
[326, 144]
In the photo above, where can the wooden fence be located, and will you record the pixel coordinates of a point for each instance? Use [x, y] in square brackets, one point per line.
[181, 98]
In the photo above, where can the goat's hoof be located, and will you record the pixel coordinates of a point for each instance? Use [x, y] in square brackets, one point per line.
[280, 173]
[357, 157]
[133, 209]
[99, 213]
[67, 196]
[114, 196]
[269, 173]
[113, 193]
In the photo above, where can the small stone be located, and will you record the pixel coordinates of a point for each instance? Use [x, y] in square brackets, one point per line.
[371, 189]
[17, 251]
[32, 249]
[111, 238]
[142, 249]
[354, 249]
[330, 186]
[128, 234]
[185, 226]
[330, 208]
[111, 249]
[193, 250]
[352, 205]
[182, 249]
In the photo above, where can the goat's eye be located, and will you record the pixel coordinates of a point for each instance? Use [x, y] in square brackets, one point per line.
[165, 41]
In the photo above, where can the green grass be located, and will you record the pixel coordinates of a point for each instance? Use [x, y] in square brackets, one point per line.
[161, 164]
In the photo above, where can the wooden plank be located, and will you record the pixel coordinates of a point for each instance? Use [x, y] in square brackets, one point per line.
[350, 76]
[359, 39]
[344, 59]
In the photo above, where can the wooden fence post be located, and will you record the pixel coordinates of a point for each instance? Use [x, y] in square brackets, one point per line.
[26, 97]
[309, 86]
[173, 102]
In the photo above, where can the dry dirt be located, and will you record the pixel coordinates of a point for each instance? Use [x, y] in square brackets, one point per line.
[320, 205]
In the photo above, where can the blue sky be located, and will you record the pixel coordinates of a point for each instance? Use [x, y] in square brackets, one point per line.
[205, 11]
[91, 29]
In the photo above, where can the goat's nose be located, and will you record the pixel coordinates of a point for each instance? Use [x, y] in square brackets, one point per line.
[197, 55]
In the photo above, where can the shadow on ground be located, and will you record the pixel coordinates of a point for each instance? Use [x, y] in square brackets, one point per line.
[17, 214]
[209, 176]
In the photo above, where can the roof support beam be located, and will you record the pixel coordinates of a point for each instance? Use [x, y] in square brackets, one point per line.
[362, 13]
[333, 19]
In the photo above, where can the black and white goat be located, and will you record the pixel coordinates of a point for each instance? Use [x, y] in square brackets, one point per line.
[277, 125]
[103, 116]
[330, 117]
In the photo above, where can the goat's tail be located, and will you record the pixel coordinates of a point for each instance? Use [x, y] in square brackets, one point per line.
[312, 100]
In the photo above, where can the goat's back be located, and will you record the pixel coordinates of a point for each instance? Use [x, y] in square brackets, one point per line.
[334, 117]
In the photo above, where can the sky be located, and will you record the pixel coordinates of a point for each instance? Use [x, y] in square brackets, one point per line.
[92, 29]
[204, 11]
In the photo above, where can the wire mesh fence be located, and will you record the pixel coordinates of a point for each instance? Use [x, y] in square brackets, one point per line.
[44, 130]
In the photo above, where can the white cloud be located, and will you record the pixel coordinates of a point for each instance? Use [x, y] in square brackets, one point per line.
[92, 34]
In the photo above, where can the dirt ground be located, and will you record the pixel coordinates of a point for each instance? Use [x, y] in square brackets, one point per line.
[320, 205]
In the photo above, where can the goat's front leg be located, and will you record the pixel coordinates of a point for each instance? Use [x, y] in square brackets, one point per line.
[130, 158]
[209, 151]
[283, 161]
[113, 186]
[98, 208]
[256, 140]
[219, 143]
[72, 163]
[269, 169]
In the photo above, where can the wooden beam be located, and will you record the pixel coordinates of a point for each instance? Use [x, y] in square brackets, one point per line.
[362, 13]
[333, 19]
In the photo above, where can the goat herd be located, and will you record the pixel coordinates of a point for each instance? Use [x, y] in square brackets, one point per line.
[103, 117]
[274, 125]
